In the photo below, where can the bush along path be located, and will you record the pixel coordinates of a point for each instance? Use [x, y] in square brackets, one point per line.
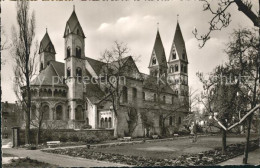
[211, 157]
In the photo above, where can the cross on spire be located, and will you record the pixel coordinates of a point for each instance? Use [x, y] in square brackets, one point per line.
[73, 7]
[177, 17]
[158, 26]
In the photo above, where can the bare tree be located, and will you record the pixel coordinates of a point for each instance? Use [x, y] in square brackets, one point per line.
[24, 57]
[116, 71]
[242, 52]
[222, 17]
[4, 44]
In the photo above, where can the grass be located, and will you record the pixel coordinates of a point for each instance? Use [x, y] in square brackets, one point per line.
[27, 162]
[169, 149]
[165, 153]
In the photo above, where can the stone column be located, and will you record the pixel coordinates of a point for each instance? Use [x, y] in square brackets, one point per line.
[16, 136]
[95, 117]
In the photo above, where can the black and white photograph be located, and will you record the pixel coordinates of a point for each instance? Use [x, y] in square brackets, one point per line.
[130, 83]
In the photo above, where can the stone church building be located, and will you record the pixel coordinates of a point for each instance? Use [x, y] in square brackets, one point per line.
[69, 104]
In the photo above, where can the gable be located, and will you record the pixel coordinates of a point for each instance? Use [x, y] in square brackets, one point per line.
[153, 60]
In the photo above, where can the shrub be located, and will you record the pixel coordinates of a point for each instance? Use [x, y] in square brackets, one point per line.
[73, 138]
[92, 140]
[86, 126]
[63, 138]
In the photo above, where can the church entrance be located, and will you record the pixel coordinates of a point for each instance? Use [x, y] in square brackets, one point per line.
[79, 113]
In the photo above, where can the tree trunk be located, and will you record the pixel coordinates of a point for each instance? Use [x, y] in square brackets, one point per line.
[163, 128]
[224, 141]
[245, 158]
[116, 127]
[27, 127]
[195, 132]
[38, 136]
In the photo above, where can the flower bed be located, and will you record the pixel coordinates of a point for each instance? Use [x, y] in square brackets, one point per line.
[211, 157]
[27, 162]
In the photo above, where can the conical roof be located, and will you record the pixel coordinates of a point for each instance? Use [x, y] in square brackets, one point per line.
[72, 23]
[158, 49]
[46, 44]
[178, 45]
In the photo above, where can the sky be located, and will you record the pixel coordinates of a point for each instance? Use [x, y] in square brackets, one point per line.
[131, 22]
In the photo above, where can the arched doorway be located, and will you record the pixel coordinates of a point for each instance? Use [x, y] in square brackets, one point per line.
[79, 113]
[102, 123]
[59, 112]
[45, 112]
[109, 122]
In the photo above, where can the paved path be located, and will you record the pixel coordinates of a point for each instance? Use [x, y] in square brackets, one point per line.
[254, 159]
[60, 160]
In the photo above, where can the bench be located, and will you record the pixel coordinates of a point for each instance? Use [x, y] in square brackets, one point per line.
[155, 136]
[127, 138]
[50, 143]
[175, 135]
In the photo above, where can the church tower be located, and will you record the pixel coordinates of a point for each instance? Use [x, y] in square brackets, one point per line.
[74, 66]
[46, 51]
[178, 65]
[158, 63]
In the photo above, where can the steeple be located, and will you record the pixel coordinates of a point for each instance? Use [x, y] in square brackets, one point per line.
[73, 25]
[178, 49]
[46, 51]
[46, 44]
[158, 61]
[178, 65]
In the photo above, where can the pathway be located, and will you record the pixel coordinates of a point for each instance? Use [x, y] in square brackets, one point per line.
[254, 159]
[60, 160]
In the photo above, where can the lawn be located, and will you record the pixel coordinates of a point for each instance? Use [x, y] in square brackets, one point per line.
[170, 149]
[165, 153]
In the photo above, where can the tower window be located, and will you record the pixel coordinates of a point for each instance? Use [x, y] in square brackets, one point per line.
[176, 68]
[185, 69]
[182, 68]
[173, 54]
[153, 61]
[77, 31]
[68, 72]
[79, 73]
[172, 69]
[68, 52]
[143, 95]
[78, 52]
